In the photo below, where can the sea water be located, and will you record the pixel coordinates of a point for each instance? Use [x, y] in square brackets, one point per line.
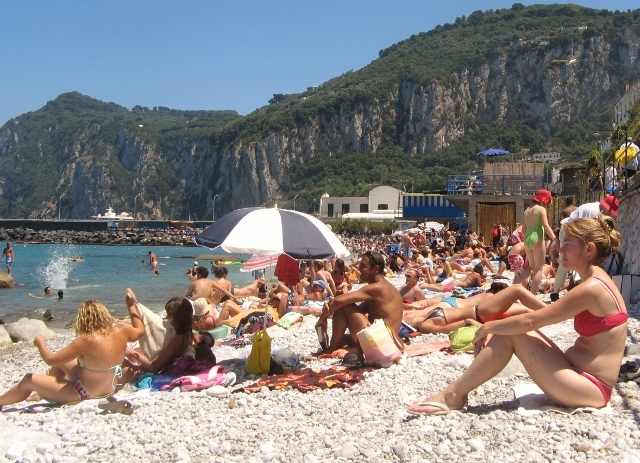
[104, 274]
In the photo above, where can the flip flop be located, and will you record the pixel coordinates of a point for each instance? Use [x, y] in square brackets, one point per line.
[117, 406]
[444, 410]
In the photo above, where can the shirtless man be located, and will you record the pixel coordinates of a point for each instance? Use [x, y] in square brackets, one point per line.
[378, 299]
[153, 261]
[408, 244]
[319, 273]
[411, 291]
[7, 254]
[472, 280]
[256, 289]
[202, 286]
[465, 254]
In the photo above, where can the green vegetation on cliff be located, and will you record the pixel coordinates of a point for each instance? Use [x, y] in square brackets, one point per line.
[73, 123]
[35, 172]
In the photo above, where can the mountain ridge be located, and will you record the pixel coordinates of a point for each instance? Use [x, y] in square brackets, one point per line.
[405, 118]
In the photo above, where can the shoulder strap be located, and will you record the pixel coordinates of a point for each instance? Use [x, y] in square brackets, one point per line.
[606, 286]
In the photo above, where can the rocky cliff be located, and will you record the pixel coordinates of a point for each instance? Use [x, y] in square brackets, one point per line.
[178, 176]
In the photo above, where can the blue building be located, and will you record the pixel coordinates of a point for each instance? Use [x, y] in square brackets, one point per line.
[429, 206]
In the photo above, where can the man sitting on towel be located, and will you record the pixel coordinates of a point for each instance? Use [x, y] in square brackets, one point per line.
[354, 310]
[411, 290]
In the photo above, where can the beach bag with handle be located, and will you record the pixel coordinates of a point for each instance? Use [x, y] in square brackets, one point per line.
[259, 361]
[379, 345]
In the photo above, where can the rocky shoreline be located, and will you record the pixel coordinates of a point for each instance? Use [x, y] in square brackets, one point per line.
[367, 423]
[115, 237]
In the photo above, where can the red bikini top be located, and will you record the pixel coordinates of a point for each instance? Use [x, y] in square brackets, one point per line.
[587, 324]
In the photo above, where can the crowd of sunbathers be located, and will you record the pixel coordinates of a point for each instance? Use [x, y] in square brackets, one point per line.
[506, 310]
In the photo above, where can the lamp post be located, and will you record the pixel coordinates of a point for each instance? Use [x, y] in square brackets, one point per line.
[294, 202]
[314, 206]
[213, 212]
[135, 206]
[59, 205]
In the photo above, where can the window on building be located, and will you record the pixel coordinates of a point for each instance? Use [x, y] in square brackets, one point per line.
[364, 208]
[329, 210]
[383, 207]
[345, 208]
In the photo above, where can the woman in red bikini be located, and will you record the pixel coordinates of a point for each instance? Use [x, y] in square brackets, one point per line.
[584, 375]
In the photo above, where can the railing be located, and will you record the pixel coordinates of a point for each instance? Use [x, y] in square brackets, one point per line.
[480, 184]
[460, 224]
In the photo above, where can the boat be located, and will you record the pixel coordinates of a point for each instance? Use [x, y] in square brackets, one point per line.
[110, 215]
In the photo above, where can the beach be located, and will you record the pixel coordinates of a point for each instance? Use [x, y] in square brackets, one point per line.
[365, 423]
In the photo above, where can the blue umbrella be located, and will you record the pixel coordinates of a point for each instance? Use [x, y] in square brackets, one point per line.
[493, 152]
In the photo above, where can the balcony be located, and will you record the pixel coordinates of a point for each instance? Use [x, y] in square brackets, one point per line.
[494, 184]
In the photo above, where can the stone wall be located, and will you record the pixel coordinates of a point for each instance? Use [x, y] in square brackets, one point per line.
[629, 226]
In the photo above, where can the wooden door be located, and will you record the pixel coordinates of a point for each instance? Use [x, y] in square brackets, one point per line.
[489, 214]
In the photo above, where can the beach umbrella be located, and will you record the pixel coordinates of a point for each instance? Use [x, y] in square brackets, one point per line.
[258, 261]
[272, 231]
[493, 152]
[437, 226]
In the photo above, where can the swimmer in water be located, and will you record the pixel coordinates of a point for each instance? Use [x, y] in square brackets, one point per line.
[153, 261]
[47, 293]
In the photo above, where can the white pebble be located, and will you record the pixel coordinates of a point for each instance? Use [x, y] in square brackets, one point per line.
[475, 444]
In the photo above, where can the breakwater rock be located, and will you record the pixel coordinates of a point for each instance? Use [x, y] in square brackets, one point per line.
[121, 237]
[7, 281]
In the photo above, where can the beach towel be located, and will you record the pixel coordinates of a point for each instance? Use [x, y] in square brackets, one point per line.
[235, 321]
[287, 270]
[212, 377]
[188, 366]
[534, 401]
[412, 350]
[415, 350]
[289, 319]
[157, 332]
[309, 379]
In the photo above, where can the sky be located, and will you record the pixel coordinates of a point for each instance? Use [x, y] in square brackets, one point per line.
[203, 54]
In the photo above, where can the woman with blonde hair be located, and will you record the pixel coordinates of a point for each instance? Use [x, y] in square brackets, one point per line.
[87, 368]
[583, 375]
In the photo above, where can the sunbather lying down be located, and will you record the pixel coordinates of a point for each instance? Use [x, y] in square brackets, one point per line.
[453, 313]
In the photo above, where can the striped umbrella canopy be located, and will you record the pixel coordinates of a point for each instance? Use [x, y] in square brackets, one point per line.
[259, 261]
[273, 231]
[437, 226]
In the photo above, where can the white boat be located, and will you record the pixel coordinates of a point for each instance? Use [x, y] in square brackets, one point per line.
[110, 215]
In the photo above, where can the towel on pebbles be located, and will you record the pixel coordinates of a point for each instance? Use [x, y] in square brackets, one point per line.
[534, 401]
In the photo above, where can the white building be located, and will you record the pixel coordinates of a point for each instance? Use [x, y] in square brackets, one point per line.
[383, 204]
[631, 96]
[546, 157]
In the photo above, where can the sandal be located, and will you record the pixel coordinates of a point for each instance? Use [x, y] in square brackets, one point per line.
[444, 410]
[353, 359]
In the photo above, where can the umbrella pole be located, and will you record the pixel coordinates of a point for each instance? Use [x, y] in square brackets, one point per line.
[266, 309]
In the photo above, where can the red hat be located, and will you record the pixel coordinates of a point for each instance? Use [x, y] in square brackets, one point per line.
[542, 196]
[611, 204]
